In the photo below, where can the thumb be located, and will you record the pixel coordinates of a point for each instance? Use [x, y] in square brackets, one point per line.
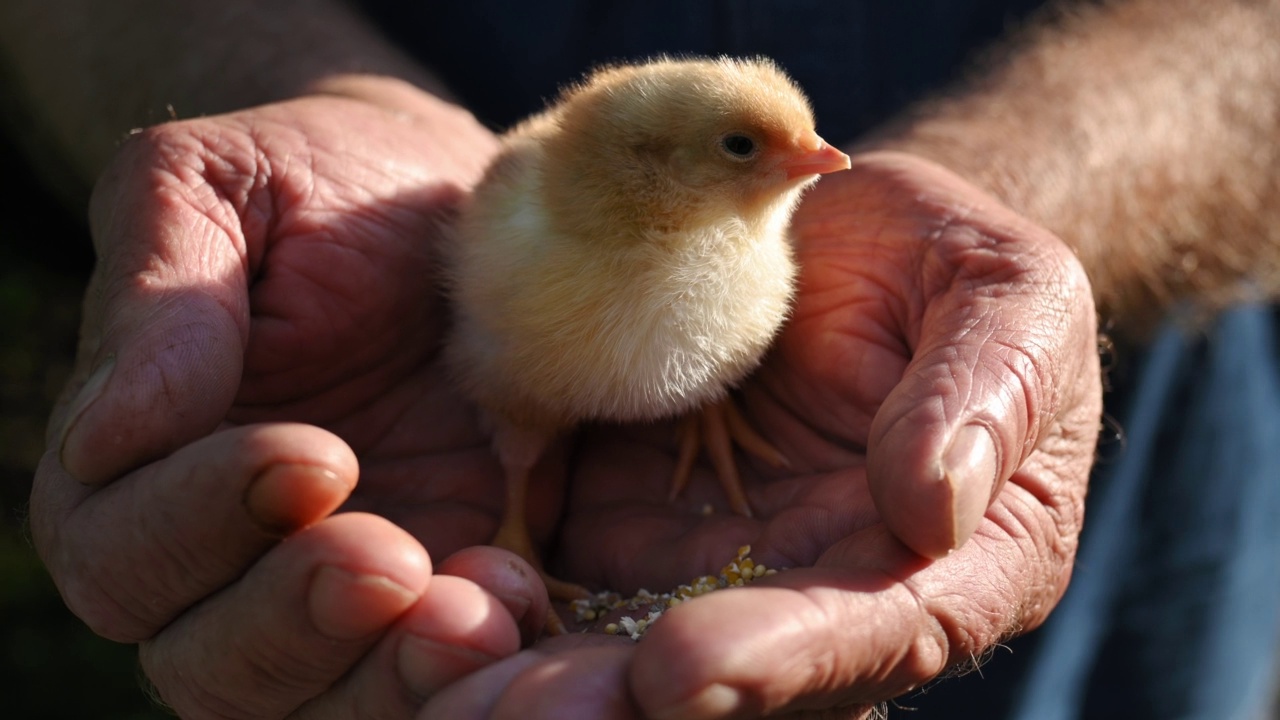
[165, 319]
[1006, 346]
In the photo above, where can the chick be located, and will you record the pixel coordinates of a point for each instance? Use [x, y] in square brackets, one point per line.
[626, 258]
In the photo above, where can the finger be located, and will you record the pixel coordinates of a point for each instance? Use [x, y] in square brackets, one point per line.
[1005, 346]
[474, 697]
[569, 676]
[589, 682]
[298, 621]
[815, 639]
[130, 557]
[455, 629]
[507, 577]
[166, 314]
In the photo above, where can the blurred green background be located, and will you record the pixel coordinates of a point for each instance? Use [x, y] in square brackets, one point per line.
[53, 667]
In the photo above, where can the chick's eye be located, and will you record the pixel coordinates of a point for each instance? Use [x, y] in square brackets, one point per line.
[739, 146]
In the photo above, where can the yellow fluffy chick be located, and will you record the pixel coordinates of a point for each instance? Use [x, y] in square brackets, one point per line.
[626, 258]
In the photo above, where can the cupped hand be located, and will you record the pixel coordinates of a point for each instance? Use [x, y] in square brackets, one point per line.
[259, 333]
[937, 394]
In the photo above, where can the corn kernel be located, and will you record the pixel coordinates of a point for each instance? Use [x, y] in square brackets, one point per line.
[736, 573]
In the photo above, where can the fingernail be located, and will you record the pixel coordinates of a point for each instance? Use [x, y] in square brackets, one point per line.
[970, 465]
[89, 393]
[349, 606]
[715, 700]
[286, 497]
[426, 666]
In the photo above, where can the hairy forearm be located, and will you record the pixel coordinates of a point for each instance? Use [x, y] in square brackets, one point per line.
[1146, 133]
[82, 73]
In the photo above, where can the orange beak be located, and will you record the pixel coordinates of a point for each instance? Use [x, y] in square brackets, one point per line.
[820, 160]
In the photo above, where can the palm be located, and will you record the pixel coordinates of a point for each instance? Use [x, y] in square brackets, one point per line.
[877, 270]
[344, 316]
[371, 377]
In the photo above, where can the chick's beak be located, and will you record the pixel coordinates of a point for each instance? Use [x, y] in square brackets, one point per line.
[818, 158]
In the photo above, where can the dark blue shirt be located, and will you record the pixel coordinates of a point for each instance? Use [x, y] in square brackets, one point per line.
[859, 62]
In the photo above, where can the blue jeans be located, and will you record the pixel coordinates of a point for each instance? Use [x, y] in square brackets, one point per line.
[1174, 608]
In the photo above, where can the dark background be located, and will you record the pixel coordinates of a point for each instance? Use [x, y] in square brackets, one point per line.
[51, 666]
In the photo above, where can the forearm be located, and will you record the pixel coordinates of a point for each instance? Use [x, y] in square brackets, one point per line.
[83, 73]
[1145, 133]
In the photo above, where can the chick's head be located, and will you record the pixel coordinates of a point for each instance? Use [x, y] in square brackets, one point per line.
[672, 141]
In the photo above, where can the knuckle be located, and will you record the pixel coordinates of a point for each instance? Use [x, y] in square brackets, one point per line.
[237, 676]
[190, 693]
[209, 164]
[94, 599]
[86, 584]
[125, 600]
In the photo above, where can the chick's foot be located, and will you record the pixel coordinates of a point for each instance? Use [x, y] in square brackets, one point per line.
[513, 535]
[718, 427]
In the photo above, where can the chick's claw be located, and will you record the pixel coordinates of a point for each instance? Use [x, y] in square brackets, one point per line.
[517, 541]
[513, 535]
[719, 426]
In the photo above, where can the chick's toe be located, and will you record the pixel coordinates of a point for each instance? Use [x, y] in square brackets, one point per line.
[718, 427]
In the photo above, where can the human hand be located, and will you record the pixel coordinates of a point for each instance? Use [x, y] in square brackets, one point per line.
[263, 275]
[938, 382]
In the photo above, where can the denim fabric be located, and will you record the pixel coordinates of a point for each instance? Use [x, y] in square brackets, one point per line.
[1176, 606]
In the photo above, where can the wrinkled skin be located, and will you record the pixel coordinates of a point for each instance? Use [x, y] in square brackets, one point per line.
[925, 307]
[262, 331]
